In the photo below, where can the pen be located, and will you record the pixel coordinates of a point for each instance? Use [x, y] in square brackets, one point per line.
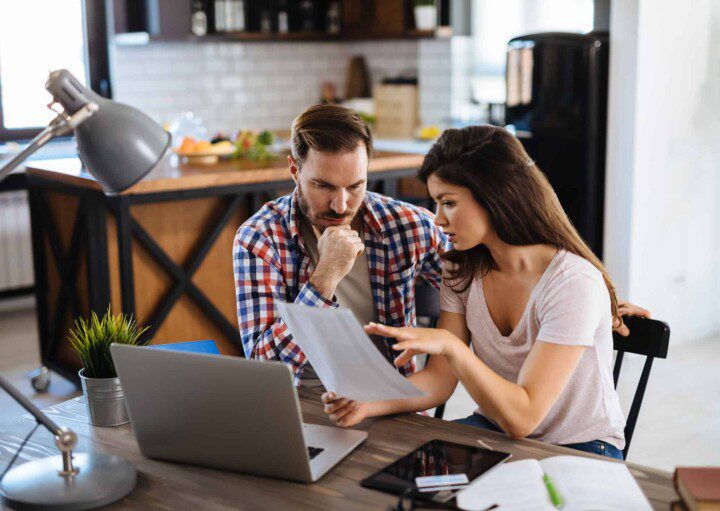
[555, 497]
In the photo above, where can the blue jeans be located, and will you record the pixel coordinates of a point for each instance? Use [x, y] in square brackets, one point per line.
[593, 447]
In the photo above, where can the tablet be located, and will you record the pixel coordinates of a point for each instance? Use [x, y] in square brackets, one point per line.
[435, 471]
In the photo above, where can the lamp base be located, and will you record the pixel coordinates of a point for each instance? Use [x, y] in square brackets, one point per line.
[102, 479]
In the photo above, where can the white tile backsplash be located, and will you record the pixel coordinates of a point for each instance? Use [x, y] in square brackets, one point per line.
[233, 85]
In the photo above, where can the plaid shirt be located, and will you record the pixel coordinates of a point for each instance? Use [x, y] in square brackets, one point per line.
[270, 263]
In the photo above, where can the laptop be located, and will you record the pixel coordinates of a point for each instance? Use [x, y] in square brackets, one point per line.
[225, 412]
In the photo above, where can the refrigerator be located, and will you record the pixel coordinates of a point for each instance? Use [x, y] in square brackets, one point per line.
[556, 101]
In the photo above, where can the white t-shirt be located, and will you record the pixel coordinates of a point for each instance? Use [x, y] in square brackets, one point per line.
[570, 305]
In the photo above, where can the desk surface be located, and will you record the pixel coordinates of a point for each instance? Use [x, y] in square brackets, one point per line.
[169, 175]
[165, 486]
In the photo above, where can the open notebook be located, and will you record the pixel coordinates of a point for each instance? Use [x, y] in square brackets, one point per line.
[583, 484]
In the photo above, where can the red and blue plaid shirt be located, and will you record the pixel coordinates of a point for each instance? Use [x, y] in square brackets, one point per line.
[270, 263]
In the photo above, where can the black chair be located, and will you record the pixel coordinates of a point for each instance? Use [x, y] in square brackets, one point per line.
[427, 305]
[647, 337]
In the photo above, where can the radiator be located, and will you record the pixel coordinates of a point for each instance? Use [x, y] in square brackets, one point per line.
[16, 258]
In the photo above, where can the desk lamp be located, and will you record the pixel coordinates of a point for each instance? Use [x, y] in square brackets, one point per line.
[118, 145]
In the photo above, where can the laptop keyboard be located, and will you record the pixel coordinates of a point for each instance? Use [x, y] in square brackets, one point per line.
[314, 451]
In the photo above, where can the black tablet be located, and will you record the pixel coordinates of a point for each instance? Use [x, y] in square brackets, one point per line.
[435, 471]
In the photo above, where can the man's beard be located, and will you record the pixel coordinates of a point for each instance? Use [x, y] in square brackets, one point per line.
[318, 220]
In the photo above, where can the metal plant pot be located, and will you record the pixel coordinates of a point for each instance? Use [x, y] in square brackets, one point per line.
[105, 400]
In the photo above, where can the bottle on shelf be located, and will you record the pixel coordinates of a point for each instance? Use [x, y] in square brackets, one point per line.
[332, 17]
[236, 10]
[265, 21]
[199, 18]
[283, 18]
[220, 24]
[307, 15]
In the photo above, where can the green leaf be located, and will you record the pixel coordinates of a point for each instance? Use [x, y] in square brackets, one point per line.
[91, 339]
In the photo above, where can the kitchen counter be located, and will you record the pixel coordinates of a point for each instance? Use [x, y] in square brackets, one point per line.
[161, 250]
[171, 175]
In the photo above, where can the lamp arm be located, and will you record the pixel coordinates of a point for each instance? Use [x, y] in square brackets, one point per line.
[59, 126]
[30, 407]
[65, 438]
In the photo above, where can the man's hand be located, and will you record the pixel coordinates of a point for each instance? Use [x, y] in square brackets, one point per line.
[342, 411]
[338, 247]
[629, 309]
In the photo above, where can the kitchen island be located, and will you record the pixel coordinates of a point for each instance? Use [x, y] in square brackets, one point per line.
[161, 250]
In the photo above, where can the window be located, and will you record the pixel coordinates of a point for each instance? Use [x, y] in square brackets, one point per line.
[494, 23]
[36, 37]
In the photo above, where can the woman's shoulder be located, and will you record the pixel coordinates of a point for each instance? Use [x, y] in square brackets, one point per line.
[457, 285]
[573, 272]
[570, 265]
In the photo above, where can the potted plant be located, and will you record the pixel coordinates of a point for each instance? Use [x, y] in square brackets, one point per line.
[425, 15]
[91, 339]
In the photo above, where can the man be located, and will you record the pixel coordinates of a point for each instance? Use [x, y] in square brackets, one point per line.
[331, 243]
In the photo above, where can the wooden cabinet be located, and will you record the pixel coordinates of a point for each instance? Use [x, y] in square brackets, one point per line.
[367, 19]
[360, 19]
[167, 20]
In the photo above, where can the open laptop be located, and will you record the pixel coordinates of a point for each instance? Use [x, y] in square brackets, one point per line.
[225, 412]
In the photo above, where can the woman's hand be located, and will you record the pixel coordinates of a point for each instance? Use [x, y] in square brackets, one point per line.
[342, 411]
[412, 341]
[629, 309]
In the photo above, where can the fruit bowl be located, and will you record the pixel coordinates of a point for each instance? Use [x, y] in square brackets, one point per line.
[206, 154]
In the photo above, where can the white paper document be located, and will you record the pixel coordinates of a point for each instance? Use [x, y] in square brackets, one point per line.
[342, 354]
[585, 484]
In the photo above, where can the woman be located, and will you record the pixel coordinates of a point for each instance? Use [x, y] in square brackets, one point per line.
[524, 290]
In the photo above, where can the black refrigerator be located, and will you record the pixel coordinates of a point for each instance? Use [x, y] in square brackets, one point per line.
[557, 87]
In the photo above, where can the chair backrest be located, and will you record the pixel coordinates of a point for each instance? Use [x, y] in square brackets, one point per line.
[427, 305]
[427, 302]
[647, 337]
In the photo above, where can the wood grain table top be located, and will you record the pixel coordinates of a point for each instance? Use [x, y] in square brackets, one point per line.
[173, 175]
[165, 486]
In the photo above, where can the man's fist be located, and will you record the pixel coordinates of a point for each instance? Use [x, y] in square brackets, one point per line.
[338, 247]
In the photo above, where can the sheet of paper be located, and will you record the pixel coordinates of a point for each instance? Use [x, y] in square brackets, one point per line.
[512, 486]
[343, 356]
[595, 484]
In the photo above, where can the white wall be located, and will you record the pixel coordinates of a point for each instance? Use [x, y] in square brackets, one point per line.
[663, 185]
[264, 85]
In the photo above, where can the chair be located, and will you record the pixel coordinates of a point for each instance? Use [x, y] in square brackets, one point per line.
[647, 337]
[427, 305]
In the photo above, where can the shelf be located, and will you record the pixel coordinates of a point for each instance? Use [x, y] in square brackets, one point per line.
[313, 36]
[270, 36]
[419, 34]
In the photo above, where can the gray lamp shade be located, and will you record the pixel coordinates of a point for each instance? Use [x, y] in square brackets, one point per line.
[118, 144]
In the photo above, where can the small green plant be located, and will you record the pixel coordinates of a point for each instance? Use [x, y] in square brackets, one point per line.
[91, 340]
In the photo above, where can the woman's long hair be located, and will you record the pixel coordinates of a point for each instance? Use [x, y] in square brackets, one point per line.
[522, 206]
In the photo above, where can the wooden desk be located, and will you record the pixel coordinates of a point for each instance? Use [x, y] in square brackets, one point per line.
[163, 485]
[160, 251]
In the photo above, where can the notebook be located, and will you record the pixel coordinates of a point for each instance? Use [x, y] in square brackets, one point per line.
[208, 346]
[699, 487]
[582, 483]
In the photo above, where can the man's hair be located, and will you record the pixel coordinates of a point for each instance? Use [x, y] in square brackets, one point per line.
[328, 129]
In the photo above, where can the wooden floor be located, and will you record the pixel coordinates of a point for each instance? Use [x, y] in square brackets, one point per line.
[19, 354]
[679, 422]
